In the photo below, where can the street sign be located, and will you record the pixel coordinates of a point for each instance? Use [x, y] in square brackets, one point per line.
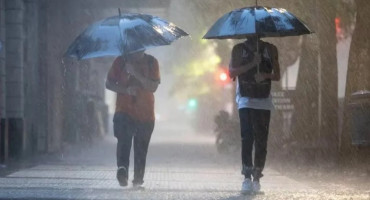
[282, 101]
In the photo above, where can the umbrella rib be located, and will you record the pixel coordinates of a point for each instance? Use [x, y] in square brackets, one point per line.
[102, 39]
[160, 35]
[273, 22]
[283, 24]
[255, 21]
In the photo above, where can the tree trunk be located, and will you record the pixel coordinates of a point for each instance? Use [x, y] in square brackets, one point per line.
[316, 98]
[358, 75]
[305, 123]
[328, 76]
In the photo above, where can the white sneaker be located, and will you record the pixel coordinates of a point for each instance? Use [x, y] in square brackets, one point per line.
[247, 186]
[138, 187]
[256, 186]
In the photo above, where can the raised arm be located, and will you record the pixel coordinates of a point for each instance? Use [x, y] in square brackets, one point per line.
[113, 81]
[275, 75]
[119, 89]
[151, 82]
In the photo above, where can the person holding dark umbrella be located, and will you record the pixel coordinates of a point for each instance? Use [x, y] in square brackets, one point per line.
[254, 63]
[254, 102]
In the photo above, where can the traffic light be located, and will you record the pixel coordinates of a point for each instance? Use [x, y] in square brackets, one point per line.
[192, 104]
[222, 76]
[338, 28]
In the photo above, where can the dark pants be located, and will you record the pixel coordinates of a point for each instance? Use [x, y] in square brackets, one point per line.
[127, 130]
[254, 125]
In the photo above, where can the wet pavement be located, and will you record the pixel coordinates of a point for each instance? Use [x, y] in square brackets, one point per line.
[181, 165]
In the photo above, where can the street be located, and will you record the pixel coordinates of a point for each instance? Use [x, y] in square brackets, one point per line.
[181, 165]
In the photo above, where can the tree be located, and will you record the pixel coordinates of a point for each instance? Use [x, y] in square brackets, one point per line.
[305, 118]
[200, 59]
[328, 75]
[315, 121]
[358, 75]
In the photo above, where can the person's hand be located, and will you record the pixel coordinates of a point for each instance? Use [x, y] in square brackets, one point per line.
[132, 90]
[259, 77]
[130, 68]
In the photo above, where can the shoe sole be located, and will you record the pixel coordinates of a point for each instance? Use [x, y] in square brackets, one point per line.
[246, 192]
[259, 193]
[140, 188]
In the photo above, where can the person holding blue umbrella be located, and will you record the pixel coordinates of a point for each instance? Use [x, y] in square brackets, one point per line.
[134, 76]
[254, 63]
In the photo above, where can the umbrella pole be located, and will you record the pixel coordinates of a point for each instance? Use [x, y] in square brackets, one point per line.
[258, 65]
[120, 30]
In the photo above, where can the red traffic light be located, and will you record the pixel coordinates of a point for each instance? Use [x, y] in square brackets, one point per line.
[222, 76]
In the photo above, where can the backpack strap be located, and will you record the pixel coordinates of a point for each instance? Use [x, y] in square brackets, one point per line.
[267, 47]
[246, 47]
[123, 62]
[151, 64]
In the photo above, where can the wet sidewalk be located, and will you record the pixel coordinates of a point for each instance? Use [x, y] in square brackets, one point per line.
[181, 165]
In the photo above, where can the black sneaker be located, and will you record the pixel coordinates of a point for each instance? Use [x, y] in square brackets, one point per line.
[122, 176]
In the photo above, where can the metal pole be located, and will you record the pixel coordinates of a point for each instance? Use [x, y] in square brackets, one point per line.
[120, 30]
[256, 2]
[258, 65]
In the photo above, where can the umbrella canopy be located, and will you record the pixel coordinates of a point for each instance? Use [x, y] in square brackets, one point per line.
[123, 34]
[257, 21]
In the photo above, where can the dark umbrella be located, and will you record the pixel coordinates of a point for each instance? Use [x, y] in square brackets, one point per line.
[123, 34]
[257, 21]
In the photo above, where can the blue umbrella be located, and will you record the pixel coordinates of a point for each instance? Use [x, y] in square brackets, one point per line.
[123, 34]
[257, 21]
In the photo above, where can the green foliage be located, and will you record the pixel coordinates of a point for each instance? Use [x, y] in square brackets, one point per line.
[195, 71]
[194, 77]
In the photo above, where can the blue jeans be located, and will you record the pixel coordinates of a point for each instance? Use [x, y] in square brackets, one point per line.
[128, 130]
[254, 126]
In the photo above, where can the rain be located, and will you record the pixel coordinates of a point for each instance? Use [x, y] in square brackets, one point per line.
[141, 99]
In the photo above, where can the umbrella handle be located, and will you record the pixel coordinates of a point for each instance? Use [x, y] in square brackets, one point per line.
[119, 12]
[256, 2]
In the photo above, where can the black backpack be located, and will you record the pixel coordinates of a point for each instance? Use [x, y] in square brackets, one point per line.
[248, 86]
